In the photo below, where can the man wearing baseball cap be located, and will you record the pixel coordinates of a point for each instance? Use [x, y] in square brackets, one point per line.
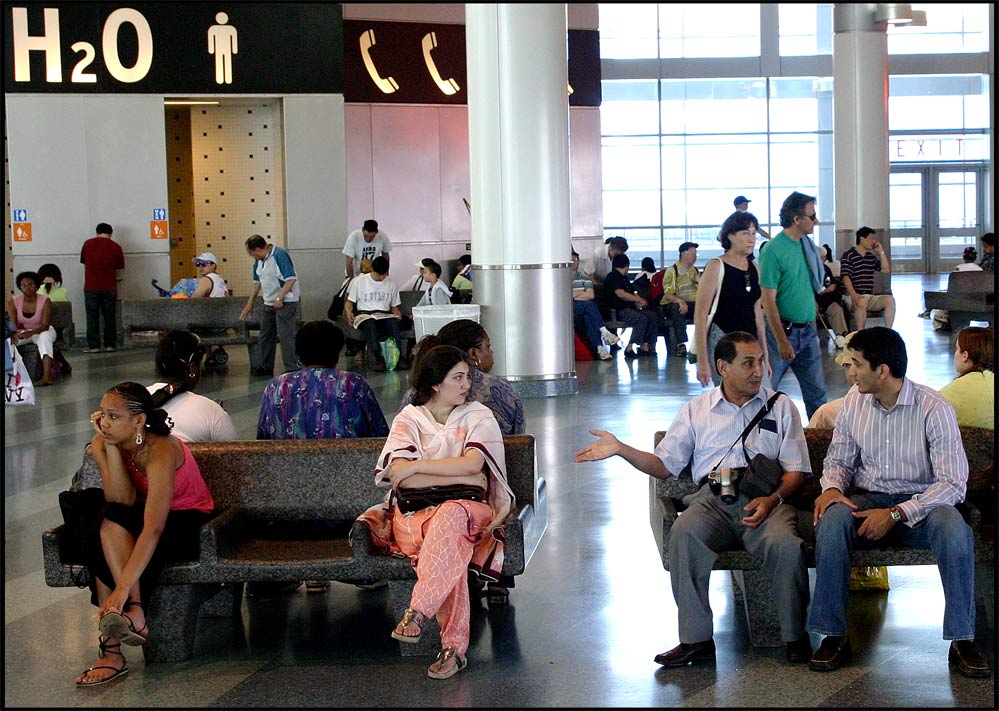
[741, 203]
[679, 294]
[209, 283]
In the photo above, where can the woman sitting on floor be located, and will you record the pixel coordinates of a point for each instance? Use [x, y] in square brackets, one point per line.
[157, 502]
[442, 441]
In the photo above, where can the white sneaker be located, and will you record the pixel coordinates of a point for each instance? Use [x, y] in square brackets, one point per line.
[840, 342]
[603, 353]
[609, 336]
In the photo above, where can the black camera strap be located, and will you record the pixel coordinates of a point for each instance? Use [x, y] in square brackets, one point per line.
[757, 418]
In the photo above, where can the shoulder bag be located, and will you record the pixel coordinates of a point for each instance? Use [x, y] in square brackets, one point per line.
[692, 346]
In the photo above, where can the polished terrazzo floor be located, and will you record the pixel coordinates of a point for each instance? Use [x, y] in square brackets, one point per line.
[584, 622]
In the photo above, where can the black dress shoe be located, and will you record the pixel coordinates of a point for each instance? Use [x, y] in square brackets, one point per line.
[799, 651]
[831, 654]
[968, 660]
[683, 654]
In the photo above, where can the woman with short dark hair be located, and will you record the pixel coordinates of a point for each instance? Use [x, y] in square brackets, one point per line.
[31, 312]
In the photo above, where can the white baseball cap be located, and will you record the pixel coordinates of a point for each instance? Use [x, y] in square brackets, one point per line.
[207, 257]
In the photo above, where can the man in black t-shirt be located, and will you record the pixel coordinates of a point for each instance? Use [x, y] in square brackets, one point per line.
[620, 294]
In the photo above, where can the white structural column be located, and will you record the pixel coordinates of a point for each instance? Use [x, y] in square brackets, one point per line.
[860, 122]
[518, 121]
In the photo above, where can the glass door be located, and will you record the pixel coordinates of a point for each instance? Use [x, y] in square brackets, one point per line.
[934, 213]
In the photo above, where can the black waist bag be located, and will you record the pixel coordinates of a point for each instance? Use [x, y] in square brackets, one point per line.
[410, 500]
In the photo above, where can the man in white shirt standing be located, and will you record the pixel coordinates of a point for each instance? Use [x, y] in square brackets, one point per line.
[365, 243]
[274, 275]
[599, 265]
[377, 295]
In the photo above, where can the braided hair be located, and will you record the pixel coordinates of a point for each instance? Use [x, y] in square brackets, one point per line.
[138, 401]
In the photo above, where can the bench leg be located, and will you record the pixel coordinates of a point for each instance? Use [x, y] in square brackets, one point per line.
[401, 592]
[227, 602]
[761, 613]
[173, 621]
[985, 592]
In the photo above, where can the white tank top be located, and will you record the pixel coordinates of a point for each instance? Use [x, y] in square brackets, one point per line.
[218, 286]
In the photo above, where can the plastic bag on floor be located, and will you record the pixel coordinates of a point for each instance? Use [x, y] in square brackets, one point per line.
[390, 352]
[18, 388]
[871, 577]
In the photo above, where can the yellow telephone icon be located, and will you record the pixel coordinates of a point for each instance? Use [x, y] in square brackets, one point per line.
[447, 86]
[387, 85]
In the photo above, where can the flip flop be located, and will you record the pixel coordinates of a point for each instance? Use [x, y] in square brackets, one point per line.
[460, 662]
[411, 617]
[118, 624]
[118, 673]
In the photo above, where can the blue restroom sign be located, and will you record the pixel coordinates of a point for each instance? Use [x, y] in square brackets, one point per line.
[159, 213]
[20, 215]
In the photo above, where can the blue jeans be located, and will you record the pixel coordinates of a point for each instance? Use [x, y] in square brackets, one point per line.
[588, 313]
[101, 305]
[807, 365]
[943, 531]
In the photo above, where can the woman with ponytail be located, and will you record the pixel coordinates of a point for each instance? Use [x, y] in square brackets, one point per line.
[157, 501]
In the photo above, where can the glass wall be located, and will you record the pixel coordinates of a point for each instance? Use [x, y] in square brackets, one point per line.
[678, 146]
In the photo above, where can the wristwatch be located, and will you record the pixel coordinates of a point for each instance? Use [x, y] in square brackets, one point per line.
[896, 515]
[780, 499]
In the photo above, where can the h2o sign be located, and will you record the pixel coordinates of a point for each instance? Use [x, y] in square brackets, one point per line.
[49, 42]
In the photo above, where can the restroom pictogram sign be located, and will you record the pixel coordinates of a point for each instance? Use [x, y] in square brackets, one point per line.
[157, 229]
[22, 231]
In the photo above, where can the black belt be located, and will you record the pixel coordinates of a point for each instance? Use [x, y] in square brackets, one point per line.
[792, 324]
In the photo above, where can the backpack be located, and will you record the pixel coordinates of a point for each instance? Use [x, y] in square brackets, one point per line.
[336, 306]
[656, 287]
[583, 351]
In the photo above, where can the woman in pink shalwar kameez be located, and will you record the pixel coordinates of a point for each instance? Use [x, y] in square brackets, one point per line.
[442, 440]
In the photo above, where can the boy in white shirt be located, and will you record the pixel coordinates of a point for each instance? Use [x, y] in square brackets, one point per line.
[438, 294]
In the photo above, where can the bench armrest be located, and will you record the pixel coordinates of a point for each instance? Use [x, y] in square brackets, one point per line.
[218, 532]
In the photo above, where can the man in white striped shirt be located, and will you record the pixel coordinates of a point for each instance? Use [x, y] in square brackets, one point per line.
[702, 435]
[894, 470]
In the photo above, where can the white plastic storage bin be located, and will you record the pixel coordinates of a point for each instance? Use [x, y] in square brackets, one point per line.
[430, 319]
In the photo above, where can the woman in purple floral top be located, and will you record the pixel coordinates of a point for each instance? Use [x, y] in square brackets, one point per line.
[318, 401]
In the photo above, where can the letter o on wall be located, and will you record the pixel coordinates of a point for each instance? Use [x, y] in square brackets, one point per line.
[109, 45]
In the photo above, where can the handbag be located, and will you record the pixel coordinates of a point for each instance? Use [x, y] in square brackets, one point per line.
[410, 500]
[761, 476]
[692, 346]
[81, 514]
[336, 306]
[18, 388]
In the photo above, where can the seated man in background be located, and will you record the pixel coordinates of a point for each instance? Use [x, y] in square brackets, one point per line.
[585, 310]
[463, 279]
[894, 470]
[702, 435]
[372, 296]
[857, 272]
[679, 296]
[418, 282]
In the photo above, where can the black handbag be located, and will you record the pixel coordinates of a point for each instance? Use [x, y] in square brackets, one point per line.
[81, 514]
[762, 475]
[336, 306]
[409, 500]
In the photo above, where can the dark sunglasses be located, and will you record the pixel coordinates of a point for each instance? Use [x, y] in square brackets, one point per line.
[199, 263]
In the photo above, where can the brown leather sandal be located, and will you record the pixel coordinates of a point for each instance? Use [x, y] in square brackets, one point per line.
[460, 662]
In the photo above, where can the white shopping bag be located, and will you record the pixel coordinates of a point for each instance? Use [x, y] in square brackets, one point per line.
[18, 388]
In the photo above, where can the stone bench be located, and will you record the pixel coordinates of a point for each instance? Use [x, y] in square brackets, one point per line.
[211, 317]
[970, 296]
[267, 495]
[753, 589]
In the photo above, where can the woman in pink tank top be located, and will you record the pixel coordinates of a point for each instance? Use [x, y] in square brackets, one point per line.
[157, 501]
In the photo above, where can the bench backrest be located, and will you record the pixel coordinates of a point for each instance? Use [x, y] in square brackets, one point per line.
[185, 314]
[62, 314]
[979, 446]
[333, 478]
[971, 283]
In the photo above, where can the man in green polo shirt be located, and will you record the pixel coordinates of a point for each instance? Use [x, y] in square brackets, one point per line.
[788, 284]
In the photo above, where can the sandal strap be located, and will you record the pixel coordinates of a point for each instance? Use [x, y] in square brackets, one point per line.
[447, 653]
[131, 603]
[106, 648]
[413, 617]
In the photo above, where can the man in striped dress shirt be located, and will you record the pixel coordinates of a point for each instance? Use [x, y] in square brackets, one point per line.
[893, 472]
